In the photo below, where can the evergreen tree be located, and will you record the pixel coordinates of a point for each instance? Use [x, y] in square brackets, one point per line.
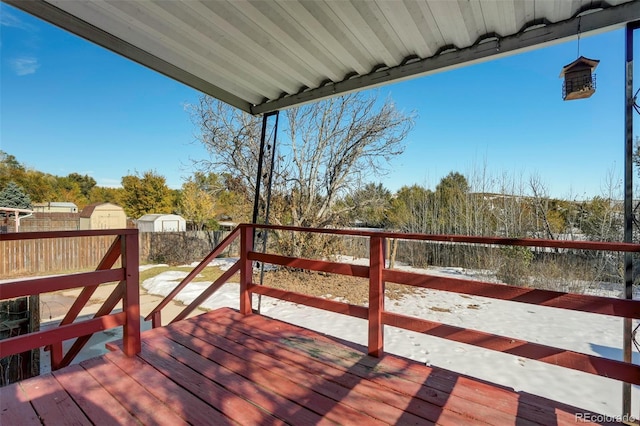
[368, 205]
[451, 201]
[14, 196]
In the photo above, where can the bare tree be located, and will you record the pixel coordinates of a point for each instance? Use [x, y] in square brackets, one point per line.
[231, 137]
[333, 145]
[328, 147]
[541, 203]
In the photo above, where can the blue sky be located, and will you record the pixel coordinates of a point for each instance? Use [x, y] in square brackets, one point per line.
[70, 106]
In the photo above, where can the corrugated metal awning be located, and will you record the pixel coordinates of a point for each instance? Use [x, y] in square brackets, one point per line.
[262, 56]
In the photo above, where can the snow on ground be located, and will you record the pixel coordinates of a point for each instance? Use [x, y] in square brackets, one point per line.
[150, 266]
[593, 334]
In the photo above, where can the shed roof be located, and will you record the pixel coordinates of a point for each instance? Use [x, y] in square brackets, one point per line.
[88, 210]
[152, 217]
[56, 204]
[262, 56]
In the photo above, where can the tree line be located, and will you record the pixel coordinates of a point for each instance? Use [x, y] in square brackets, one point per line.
[202, 199]
[455, 206]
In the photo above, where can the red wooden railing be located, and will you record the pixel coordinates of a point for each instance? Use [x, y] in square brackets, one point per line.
[125, 247]
[378, 274]
[155, 314]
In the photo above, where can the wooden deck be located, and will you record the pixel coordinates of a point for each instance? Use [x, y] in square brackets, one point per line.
[225, 368]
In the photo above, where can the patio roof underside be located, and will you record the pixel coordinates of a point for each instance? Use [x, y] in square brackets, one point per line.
[262, 56]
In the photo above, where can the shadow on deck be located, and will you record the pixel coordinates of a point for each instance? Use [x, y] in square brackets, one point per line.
[226, 368]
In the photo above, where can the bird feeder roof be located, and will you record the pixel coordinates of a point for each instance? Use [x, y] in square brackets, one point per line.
[585, 62]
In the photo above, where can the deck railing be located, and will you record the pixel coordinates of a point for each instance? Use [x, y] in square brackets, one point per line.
[378, 274]
[124, 247]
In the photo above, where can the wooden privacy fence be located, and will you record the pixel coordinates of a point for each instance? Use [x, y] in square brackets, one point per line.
[20, 257]
[123, 247]
[39, 256]
[377, 316]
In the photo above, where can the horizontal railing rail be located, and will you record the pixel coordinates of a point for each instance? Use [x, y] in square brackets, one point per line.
[556, 299]
[65, 234]
[501, 241]
[377, 274]
[124, 247]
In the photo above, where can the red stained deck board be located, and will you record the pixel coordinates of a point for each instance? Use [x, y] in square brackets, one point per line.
[494, 397]
[300, 384]
[248, 368]
[92, 398]
[181, 401]
[201, 378]
[131, 395]
[376, 396]
[50, 400]
[424, 401]
[15, 407]
[491, 396]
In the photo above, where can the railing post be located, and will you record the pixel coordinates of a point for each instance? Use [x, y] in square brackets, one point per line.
[156, 319]
[246, 269]
[55, 355]
[131, 299]
[376, 296]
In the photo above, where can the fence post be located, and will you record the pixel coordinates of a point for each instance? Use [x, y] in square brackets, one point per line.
[246, 268]
[376, 296]
[131, 299]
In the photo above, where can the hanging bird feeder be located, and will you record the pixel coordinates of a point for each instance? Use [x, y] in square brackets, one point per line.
[579, 79]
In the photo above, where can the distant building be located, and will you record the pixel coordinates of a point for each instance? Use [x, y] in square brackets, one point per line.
[227, 225]
[55, 207]
[103, 216]
[161, 223]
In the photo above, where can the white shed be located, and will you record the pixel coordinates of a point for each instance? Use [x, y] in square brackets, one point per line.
[161, 223]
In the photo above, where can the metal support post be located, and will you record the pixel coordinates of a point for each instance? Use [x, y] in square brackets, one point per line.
[628, 204]
[264, 177]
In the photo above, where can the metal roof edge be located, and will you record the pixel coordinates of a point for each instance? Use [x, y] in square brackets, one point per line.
[604, 20]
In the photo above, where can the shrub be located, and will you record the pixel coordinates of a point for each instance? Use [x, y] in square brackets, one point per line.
[514, 266]
[177, 248]
[563, 273]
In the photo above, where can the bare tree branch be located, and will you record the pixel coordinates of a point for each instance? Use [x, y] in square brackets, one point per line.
[325, 149]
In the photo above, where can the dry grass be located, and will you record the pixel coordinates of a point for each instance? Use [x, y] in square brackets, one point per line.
[208, 274]
[349, 289]
[438, 309]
